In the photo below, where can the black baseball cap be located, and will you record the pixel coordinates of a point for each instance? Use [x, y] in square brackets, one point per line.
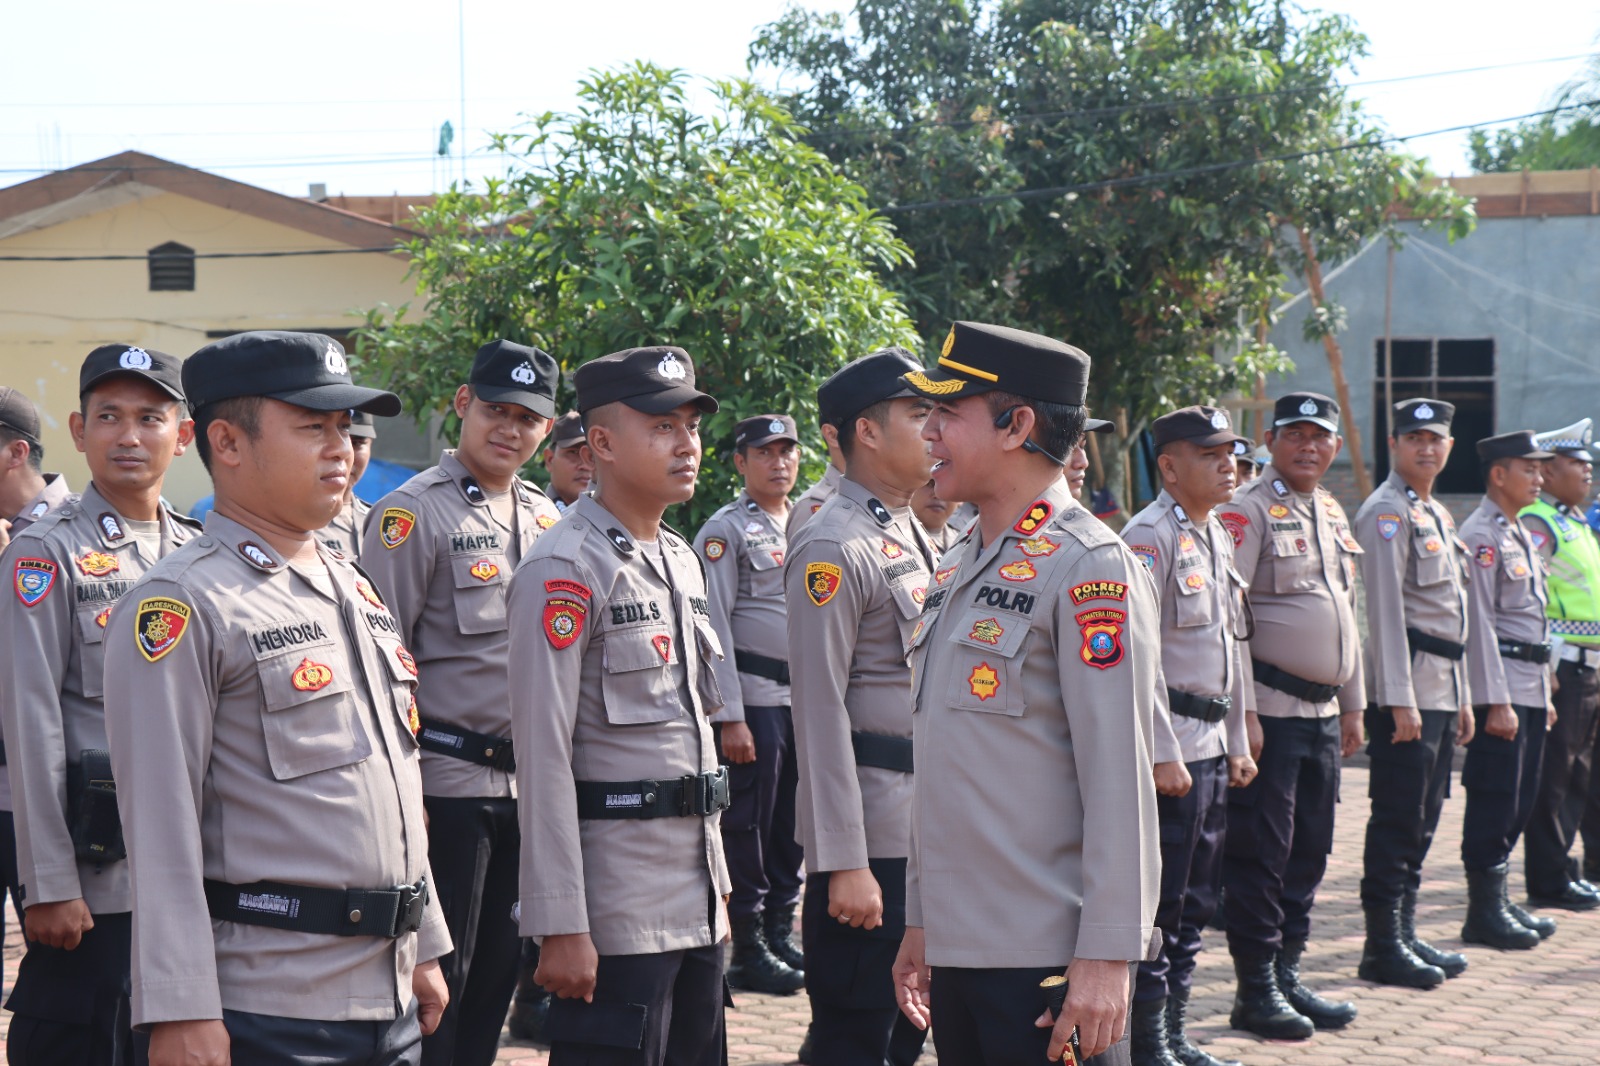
[19, 413]
[764, 429]
[981, 358]
[160, 369]
[567, 431]
[305, 369]
[1518, 444]
[361, 425]
[1098, 425]
[862, 382]
[1431, 415]
[1203, 426]
[506, 372]
[1306, 407]
[653, 380]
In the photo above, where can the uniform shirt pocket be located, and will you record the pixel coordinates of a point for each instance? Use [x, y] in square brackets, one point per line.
[766, 571]
[402, 678]
[311, 716]
[710, 648]
[1293, 568]
[987, 655]
[480, 595]
[638, 682]
[1195, 602]
[92, 648]
[1434, 557]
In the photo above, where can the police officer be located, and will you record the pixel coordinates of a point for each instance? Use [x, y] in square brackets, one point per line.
[856, 577]
[612, 686]
[441, 551]
[1571, 556]
[743, 545]
[1293, 547]
[1076, 471]
[262, 745]
[944, 521]
[1414, 571]
[1203, 629]
[1508, 647]
[1244, 461]
[571, 467]
[343, 534]
[68, 570]
[1035, 666]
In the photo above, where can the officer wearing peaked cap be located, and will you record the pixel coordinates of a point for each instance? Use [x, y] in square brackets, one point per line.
[612, 688]
[1034, 671]
[811, 500]
[441, 549]
[343, 534]
[263, 751]
[68, 569]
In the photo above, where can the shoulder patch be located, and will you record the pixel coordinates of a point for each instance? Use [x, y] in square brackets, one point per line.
[1388, 526]
[822, 581]
[1036, 515]
[715, 548]
[159, 624]
[1485, 555]
[1098, 590]
[395, 526]
[1146, 554]
[563, 619]
[878, 511]
[1102, 636]
[33, 580]
[1234, 523]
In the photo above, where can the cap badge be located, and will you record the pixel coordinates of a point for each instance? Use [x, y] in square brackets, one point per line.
[1423, 411]
[135, 359]
[670, 368]
[1219, 420]
[1309, 407]
[775, 426]
[523, 374]
[334, 360]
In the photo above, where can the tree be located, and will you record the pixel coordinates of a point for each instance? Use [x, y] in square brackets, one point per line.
[1568, 138]
[636, 221]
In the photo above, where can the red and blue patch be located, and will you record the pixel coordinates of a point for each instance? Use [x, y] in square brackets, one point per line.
[33, 580]
[1388, 526]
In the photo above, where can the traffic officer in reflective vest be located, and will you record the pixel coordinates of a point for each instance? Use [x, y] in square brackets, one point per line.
[743, 545]
[1293, 546]
[612, 687]
[857, 575]
[1035, 668]
[570, 465]
[441, 551]
[1571, 556]
[1414, 569]
[1208, 691]
[68, 569]
[1508, 647]
[261, 740]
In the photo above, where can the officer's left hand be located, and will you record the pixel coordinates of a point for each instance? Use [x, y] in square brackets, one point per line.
[1241, 770]
[1172, 779]
[738, 743]
[1097, 1004]
[1550, 718]
[1349, 732]
[912, 978]
[427, 984]
[1465, 725]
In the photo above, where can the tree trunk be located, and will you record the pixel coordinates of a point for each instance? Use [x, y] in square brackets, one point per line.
[1352, 424]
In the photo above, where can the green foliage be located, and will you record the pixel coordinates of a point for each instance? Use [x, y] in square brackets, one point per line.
[1568, 139]
[635, 221]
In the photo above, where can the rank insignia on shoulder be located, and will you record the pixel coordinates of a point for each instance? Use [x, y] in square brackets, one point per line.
[1278, 510]
[1145, 553]
[395, 526]
[158, 626]
[987, 630]
[1021, 570]
[472, 490]
[1102, 636]
[1234, 523]
[257, 555]
[822, 581]
[563, 621]
[1196, 580]
[545, 521]
[1485, 555]
[752, 506]
[368, 593]
[620, 539]
[40, 509]
[663, 646]
[1098, 590]
[311, 677]
[891, 550]
[99, 564]
[484, 570]
[983, 682]
[1388, 526]
[1035, 516]
[715, 548]
[879, 511]
[1279, 487]
[1037, 546]
[110, 526]
[407, 660]
[33, 580]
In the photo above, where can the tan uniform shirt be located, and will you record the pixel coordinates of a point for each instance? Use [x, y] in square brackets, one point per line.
[443, 560]
[856, 579]
[1414, 573]
[811, 500]
[343, 534]
[263, 734]
[1506, 597]
[743, 547]
[611, 680]
[1034, 840]
[1298, 556]
[1203, 622]
[52, 667]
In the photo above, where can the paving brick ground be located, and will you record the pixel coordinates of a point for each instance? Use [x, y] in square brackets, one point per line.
[1537, 1007]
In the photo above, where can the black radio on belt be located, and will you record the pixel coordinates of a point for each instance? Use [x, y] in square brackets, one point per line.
[1444, 649]
[94, 822]
[1204, 708]
[1530, 653]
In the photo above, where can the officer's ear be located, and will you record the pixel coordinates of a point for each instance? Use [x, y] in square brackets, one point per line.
[1018, 424]
[462, 401]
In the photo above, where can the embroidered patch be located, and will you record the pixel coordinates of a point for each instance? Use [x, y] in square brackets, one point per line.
[984, 682]
[918, 595]
[159, 625]
[753, 526]
[1098, 590]
[1146, 554]
[407, 660]
[1021, 570]
[1185, 542]
[1036, 516]
[1388, 526]
[891, 550]
[944, 575]
[1234, 523]
[1102, 636]
[395, 526]
[563, 620]
[545, 521]
[715, 548]
[663, 646]
[575, 587]
[368, 593]
[311, 677]
[1300, 545]
[1195, 580]
[816, 507]
[1485, 555]
[777, 557]
[1539, 539]
[413, 719]
[33, 580]
[484, 570]
[1278, 510]
[110, 526]
[822, 581]
[1037, 546]
[256, 554]
[1432, 545]
[987, 630]
[99, 564]
[103, 617]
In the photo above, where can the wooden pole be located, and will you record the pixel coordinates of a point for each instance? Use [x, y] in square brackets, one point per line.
[1352, 425]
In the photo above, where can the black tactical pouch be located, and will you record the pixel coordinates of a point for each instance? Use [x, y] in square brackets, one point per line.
[92, 815]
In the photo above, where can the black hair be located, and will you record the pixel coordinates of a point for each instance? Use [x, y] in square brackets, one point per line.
[878, 412]
[35, 449]
[1058, 428]
[242, 411]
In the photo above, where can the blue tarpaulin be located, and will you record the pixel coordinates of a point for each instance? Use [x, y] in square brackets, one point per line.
[380, 479]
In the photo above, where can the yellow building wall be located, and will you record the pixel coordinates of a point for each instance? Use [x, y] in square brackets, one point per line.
[53, 314]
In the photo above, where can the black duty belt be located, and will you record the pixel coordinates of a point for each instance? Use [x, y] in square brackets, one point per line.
[885, 753]
[481, 748]
[1298, 687]
[694, 796]
[1531, 653]
[1444, 649]
[1205, 708]
[2, 752]
[765, 666]
[382, 912]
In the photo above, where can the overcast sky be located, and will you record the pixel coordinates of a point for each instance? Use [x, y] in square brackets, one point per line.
[351, 94]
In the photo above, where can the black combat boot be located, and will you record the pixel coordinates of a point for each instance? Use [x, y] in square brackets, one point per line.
[531, 1005]
[1178, 1037]
[1147, 1029]
[1324, 1013]
[1453, 963]
[1385, 959]
[1545, 927]
[1259, 1006]
[754, 967]
[1489, 920]
[777, 923]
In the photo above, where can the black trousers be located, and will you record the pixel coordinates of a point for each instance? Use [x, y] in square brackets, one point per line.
[855, 1018]
[72, 1006]
[1280, 831]
[664, 1009]
[1502, 779]
[984, 1017]
[1408, 784]
[1192, 830]
[1563, 782]
[8, 872]
[758, 831]
[268, 1040]
[473, 849]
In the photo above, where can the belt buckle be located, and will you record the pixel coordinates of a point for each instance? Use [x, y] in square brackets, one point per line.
[408, 914]
[689, 796]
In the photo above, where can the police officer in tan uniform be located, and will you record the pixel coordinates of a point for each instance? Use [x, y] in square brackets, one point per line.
[1035, 668]
[612, 687]
[263, 751]
[68, 570]
[343, 534]
[944, 521]
[856, 578]
[570, 465]
[441, 549]
[811, 500]
[1415, 577]
[1508, 652]
[1203, 629]
[1293, 547]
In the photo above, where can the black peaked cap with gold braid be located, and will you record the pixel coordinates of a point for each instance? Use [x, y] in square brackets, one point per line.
[981, 358]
